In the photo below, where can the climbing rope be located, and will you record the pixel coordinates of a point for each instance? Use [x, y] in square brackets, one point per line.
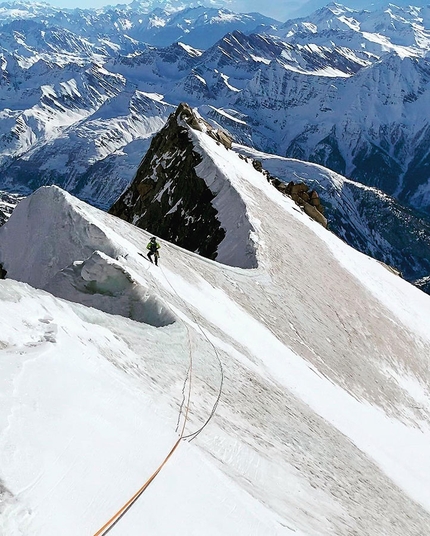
[124, 509]
[188, 379]
[193, 435]
[186, 400]
[188, 376]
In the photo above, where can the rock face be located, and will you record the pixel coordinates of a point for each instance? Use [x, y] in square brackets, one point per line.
[308, 199]
[167, 197]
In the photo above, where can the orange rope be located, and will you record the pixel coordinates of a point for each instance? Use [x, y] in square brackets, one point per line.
[116, 517]
[109, 524]
[122, 510]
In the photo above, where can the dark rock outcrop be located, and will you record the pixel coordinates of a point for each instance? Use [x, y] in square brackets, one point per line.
[3, 217]
[299, 192]
[166, 197]
[309, 200]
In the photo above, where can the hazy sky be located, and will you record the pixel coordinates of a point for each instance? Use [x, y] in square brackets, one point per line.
[278, 9]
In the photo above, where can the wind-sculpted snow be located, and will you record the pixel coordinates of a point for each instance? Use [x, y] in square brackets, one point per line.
[84, 237]
[78, 271]
[239, 247]
[103, 283]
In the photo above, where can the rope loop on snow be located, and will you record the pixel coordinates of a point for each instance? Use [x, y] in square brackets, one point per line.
[193, 435]
[106, 528]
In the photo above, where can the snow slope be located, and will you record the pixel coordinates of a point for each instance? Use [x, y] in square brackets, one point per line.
[400, 239]
[320, 357]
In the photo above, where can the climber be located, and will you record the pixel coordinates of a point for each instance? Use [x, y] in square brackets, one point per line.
[153, 247]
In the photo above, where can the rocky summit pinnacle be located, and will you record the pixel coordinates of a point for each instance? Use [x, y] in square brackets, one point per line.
[166, 197]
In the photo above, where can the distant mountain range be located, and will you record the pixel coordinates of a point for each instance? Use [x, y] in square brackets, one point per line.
[122, 28]
[297, 9]
[7, 204]
[82, 92]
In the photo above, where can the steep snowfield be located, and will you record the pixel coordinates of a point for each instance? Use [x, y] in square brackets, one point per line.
[400, 239]
[320, 357]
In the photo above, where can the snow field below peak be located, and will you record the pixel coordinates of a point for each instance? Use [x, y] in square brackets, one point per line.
[312, 434]
[77, 465]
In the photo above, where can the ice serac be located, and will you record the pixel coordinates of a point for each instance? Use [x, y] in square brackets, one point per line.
[83, 266]
[29, 226]
[103, 283]
[180, 196]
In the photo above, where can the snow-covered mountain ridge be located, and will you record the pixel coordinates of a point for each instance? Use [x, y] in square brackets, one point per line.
[82, 96]
[310, 6]
[323, 421]
[388, 28]
[125, 26]
[174, 196]
[366, 218]
[177, 195]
